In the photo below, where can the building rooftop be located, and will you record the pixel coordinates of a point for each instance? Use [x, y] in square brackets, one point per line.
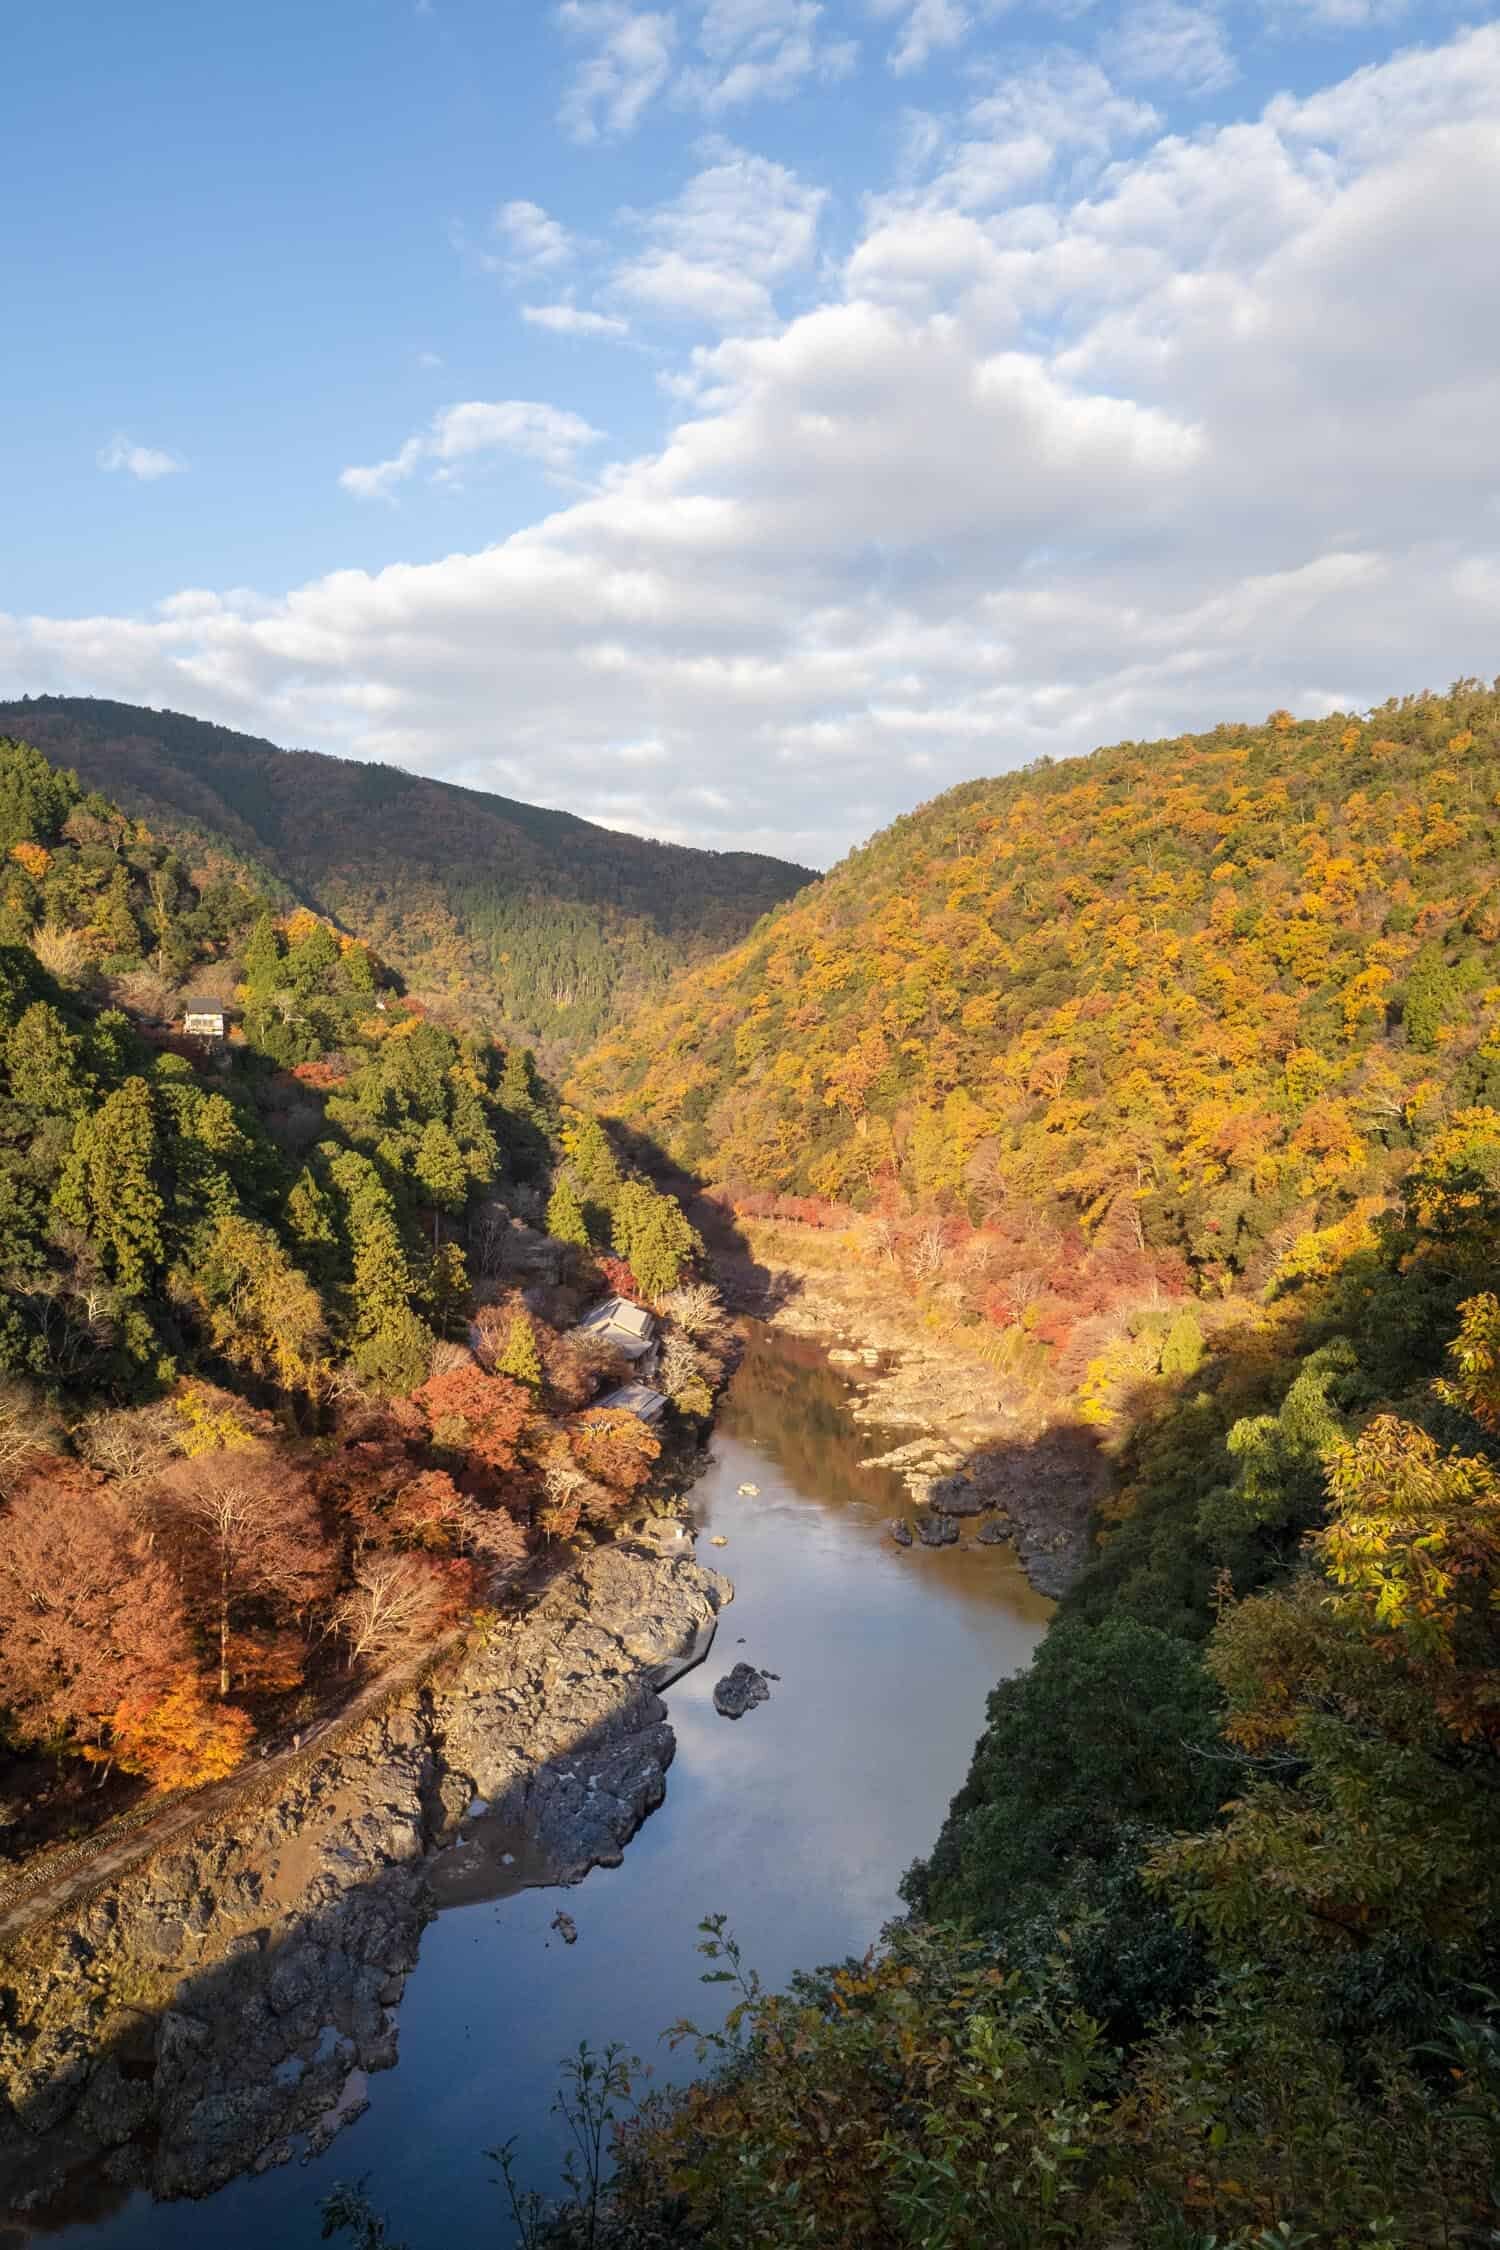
[630, 1328]
[635, 1398]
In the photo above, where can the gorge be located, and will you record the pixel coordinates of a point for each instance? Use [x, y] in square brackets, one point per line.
[796, 1824]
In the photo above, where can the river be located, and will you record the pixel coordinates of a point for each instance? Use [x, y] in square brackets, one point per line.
[796, 1822]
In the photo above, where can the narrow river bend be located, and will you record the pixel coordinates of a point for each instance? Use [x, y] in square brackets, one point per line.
[796, 1822]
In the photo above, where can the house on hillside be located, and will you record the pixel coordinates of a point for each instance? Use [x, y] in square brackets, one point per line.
[204, 1023]
[626, 1328]
[635, 1398]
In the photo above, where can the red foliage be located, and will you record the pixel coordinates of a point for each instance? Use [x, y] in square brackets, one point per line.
[476, 1414]
[90, 1616]
[617, 1277]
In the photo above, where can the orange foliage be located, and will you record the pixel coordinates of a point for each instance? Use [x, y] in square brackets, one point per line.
[181, 1738]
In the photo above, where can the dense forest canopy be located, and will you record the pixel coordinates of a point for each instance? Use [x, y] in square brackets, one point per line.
[1166, 1085]
[540, 923]
[1224, 978]
[289, 1372]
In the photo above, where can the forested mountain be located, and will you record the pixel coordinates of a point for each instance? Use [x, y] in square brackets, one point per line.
[1170, 1081]
[1224, 981]
[288, 1373]
[540, 922]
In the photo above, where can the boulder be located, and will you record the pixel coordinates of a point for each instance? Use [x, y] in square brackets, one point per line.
[938, 1531]
[901, 1531]
[994, 1532]
[957, 1495]
[739, 1690]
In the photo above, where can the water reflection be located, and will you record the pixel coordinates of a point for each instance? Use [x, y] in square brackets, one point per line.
[796, 1822]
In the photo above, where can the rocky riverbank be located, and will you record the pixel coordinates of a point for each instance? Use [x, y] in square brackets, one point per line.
[219, 2008]
[979, 1453]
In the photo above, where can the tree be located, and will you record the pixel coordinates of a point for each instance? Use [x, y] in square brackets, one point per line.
[109, 1184]
[397, 1604]
[89, 1614]
[1109, 1726]
[565, 1220]
[245, 1536]
[1433, 996]
[614, 1448]
[44, 1061]
[179, 1738]
[261, 1314]
[520, 1360]
[263, 957]
[35, 797]
[439, 1168]
[652, 1235]
[481, 1416]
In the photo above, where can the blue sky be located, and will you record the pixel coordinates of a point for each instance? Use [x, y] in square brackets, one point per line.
[739, 419]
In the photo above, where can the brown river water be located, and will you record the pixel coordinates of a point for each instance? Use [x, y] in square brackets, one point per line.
[795, 1822]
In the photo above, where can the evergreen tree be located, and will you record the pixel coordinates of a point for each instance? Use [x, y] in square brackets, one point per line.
[44, 1061]
[263, 956]
[35, 798]
[521, 1360]
[595, 1168]
[116, 918]
[518, 1083]
[109, 1186]
[440, 1170]
[1433, 998]
[565, 1220]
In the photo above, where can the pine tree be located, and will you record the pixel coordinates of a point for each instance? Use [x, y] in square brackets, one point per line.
[263, 956]
[521, 1360]
[108, 1185]
[518, 1083]
[1432, 998]
[440, 1169]
[565, 1220]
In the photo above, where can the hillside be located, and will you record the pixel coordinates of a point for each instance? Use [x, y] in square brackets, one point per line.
[546, 923]
[289, 1380]
[1206, 1949]
[1218, 985]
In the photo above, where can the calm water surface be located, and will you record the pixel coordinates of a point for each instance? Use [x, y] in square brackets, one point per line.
[796, 1822]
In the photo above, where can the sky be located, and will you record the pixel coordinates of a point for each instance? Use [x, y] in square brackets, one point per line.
[740, 420]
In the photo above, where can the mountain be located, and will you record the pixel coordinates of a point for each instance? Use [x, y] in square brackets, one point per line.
[543, 922]
[1221, 984]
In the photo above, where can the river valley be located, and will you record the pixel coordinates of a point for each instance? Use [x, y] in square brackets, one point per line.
[796, 1822]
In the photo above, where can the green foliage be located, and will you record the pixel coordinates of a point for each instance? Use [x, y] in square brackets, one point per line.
[565, 1220]
[35, 798]
[1182, 1352]
[1432, 999]
[110, 1185]
[1113, 1725]
[535, 919]
[520, 1359]
[651, 1233]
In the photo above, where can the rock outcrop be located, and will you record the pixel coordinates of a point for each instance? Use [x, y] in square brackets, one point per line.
[216, 2009]
[739, 1691]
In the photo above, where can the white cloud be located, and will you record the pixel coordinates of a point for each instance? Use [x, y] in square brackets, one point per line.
[1343, 15]
[573, 320]
[627, 61]
[147, 462]
[535, 241]
[714, 252]
[1098, 440]
[1168, 42]
[537, 432]
[759, 50]
[927, 27]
